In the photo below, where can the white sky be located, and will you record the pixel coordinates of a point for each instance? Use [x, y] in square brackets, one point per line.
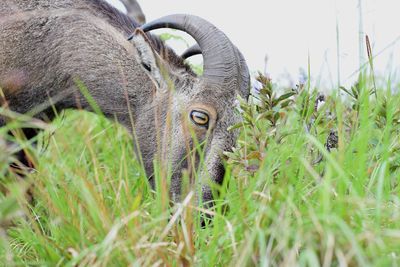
[290, 30]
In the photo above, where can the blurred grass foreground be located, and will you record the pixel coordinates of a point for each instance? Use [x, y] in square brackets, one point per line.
[313, 181]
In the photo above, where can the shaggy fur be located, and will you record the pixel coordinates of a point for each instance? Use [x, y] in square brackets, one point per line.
[48, 47]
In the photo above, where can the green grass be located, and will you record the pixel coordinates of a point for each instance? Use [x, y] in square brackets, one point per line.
[286, 199]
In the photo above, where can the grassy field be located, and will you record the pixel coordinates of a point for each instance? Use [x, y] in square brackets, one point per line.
[313, 181]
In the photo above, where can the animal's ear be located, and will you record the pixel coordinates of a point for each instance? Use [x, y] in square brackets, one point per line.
[150, 60]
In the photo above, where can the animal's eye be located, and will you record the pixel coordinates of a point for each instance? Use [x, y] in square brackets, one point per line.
[199, 117]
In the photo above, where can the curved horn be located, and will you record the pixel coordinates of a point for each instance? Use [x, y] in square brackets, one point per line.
[221, 61]
[191, 51]
[245, 76]
[244, 88]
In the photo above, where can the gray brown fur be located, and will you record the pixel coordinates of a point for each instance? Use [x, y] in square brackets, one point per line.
[46, 45]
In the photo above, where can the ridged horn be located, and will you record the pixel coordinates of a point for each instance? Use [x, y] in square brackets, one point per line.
[245, 76]
[244, 88]
[221, 60]
[191, 51]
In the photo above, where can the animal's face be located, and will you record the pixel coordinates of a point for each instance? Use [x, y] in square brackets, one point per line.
[183, 129]
[186, 133]
[198, 136]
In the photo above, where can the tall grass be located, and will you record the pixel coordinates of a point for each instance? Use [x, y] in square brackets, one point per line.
[307, 184]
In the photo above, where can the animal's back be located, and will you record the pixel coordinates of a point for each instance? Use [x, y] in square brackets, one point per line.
[42, 43]
[9, 7]
[28, 30]
[98, 8]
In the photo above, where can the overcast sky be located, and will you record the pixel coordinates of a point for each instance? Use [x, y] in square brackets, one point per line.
[288, 31]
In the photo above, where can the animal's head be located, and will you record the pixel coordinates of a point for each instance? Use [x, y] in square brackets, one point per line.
[187, 112]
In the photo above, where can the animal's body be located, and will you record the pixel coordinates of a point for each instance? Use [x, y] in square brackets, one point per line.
[48, 46]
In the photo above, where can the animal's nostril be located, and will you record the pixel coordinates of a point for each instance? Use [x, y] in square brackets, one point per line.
[219, 173]
[205, 219]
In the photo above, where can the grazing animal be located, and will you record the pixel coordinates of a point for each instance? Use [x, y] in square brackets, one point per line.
[49, 47]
